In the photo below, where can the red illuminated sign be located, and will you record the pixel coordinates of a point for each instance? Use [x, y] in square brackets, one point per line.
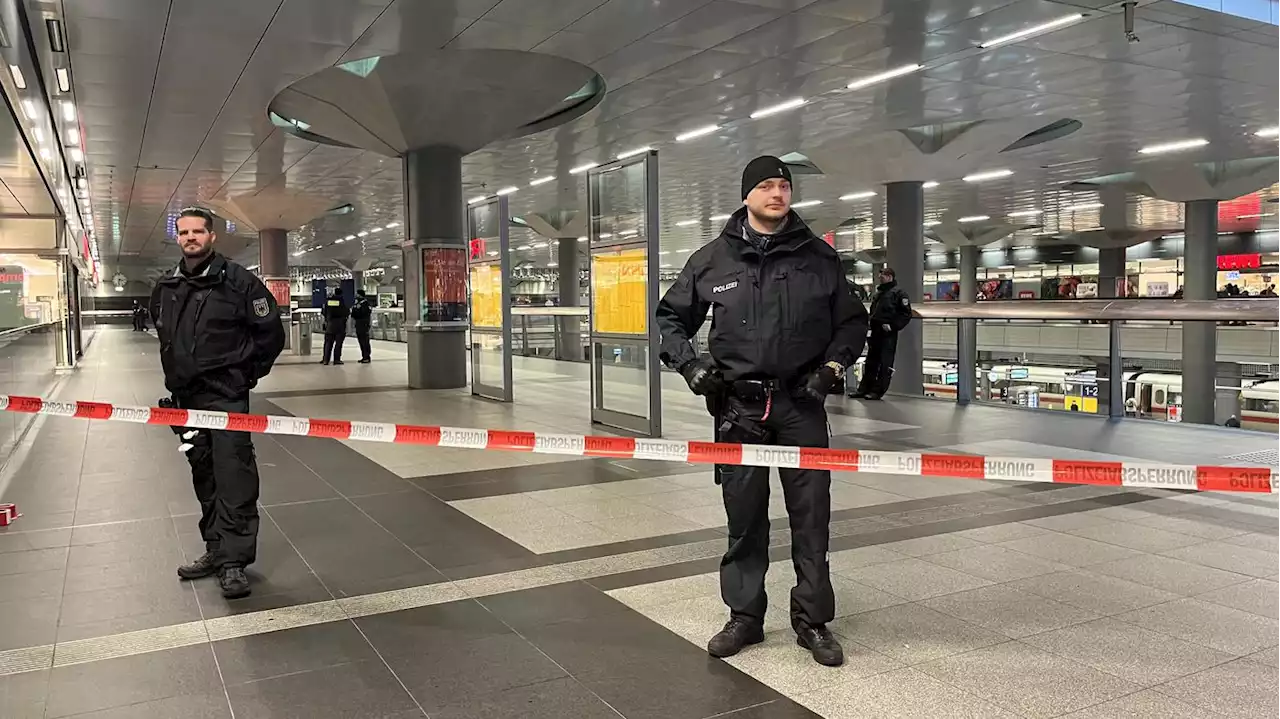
[830, 238]
[477, 248]
[1239, 262]
[1026, 295]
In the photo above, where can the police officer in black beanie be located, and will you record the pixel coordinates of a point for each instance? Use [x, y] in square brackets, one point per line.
[784, 326]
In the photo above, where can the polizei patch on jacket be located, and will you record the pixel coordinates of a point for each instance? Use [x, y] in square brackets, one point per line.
[261, 308]
[724, 288]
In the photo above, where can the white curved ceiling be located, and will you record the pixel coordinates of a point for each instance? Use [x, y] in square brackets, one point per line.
[173, 96]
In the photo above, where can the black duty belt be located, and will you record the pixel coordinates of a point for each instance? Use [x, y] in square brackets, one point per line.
[757, 391]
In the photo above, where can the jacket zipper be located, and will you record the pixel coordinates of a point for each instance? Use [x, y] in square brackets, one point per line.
[195, 324]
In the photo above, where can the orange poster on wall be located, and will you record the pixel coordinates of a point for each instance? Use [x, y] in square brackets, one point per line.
[444, 284]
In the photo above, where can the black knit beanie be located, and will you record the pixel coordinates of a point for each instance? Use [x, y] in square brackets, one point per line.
[765, 167]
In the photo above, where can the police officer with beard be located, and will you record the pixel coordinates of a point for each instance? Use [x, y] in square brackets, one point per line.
[890, 314]
[220, 332]
[784, 326]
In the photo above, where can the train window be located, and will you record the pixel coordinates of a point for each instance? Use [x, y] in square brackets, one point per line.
[1262, 405]
[1159, 397]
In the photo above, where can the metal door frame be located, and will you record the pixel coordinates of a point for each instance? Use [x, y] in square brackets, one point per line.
[478, 388]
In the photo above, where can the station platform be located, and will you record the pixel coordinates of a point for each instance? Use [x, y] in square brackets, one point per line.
[402, 581]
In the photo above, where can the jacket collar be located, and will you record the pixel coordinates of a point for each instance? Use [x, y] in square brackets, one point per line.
[795, 234]
[215, 269]
[886, 286]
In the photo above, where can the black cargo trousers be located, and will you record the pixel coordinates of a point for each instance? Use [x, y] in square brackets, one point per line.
[746, 502]
[224, 472]
[877, 372]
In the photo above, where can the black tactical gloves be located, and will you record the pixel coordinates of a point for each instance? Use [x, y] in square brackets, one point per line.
[703, 378]
[819, 383]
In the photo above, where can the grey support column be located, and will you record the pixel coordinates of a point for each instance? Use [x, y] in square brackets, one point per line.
[1110, 372]
[1199, 339]
[568, 329]
[1111, 273]
[434, 219]
[904, 252]
[357, 279]
[273, 267]
[967, 329]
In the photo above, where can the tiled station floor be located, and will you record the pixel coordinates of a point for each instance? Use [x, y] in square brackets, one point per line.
[402, 581]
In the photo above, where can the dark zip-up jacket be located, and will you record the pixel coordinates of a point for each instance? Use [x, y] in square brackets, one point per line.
[219, 329]
[890, 306]
[335, 316]
[777, 314]
[362, 314]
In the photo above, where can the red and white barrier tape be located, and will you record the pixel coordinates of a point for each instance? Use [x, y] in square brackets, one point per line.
[922, 464]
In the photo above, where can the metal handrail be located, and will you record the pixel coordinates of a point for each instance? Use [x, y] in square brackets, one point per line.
[1260, 309]
[26, 328]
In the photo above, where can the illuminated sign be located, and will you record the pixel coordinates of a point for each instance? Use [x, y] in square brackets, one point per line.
[1240, 262]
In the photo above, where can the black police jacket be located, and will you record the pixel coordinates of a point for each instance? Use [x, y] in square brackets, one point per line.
[778, 314]
[219, 329]
[335, 316]
[890, 306]
[361, 314]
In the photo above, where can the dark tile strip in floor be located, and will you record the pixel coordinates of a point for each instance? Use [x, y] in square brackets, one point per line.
[877, 535]
[332, 391]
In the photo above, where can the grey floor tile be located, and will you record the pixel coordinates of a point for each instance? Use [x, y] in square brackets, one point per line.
[1169, 574]
[1148, 704]
[1002, 532]
[1128, 651]
[404, 632]
[114, 683]
[911, 633]
[776, 709]
[1068, 549]
[1062, 522]
[902, 694]
[848, 561]
[1095, 592]
[554, 699]
[995, 563]
[1192, 526]
[782, 665]
[33, 560]
[1229, 557]
[291, 651]
[31, 585]
[1260, 596]
[1239, 689]
[197, 706]
[934, 544]
[1269, 542]
[1008, 611]
[1135, 536]
[361, 689]
[22, 541]
[1269, 657]
[39, 623]
[1026, 680]
[22, 696]
[1222, 628]
[446, 675]
[916, 579]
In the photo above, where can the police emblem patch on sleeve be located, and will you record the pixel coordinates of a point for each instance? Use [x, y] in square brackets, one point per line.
[261, 307]
[906, 302]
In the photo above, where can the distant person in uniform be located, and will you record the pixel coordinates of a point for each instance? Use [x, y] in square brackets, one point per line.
[890, 314]
[220, 332]
[362, 316]
[335, 314]
[784, 327]
[139, 317]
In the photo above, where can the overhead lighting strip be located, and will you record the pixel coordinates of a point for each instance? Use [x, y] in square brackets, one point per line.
[1033, 30]
[780, 107]
[881, 77]
[1173, 146]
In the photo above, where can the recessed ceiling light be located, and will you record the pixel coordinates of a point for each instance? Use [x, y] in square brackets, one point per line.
[507, 190]
[474, 200]
[64, 79]
[349, 237]
[362, 233]
[583, 168]
[989, 175]
[686, 223]
[392, 224]
[858, 195]
[1268, 132]
[633, 152]
[38, 133]
[806, 203]
[73, 136]
[1083, 206]
[930, 184]
[605, 235]
[522, 248]
[880, 229]
[77, 155]
[1033, 30]
[881, 77]
[974, 218]
[1025, 213]
[541, 180]
[696, 133]
[339, 241]
[931, 223]
[68, 111]
[846, 232]
[539, 245]
[29, 108]
[1174, 146]
[719, 218]
[780, 107]
[582, 239]
[18, 79]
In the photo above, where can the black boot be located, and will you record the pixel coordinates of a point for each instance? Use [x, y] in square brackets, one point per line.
[737, 633]
[205, 566]
[821, 643]
[234, 582]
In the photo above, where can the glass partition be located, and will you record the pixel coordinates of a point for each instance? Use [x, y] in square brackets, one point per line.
[488, 271]
[623, 241]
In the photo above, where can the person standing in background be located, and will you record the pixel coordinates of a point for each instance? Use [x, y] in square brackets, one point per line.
[335, 314]
[890, 313]
[362, 316]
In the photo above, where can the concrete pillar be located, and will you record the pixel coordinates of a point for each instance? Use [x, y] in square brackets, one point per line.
[568, 329]
[1200, 339]
[434, 219]
[969, 274]
[904, 252]
[1111, 273]
[967, 331]
[357, 279]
